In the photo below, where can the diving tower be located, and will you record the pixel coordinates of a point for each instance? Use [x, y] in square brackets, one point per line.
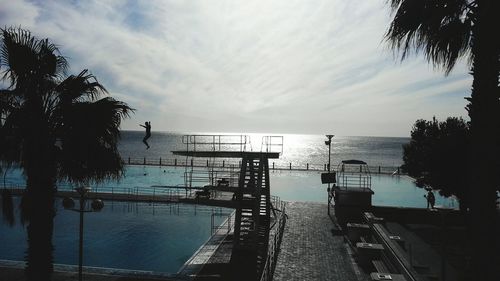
[351, 191]
[251, 193]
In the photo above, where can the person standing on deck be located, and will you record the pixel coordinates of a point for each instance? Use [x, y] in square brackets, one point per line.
[431, 199]
[147, 126]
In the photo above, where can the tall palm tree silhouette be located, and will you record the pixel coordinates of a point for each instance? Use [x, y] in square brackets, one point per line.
[445, 31]
[56, 128]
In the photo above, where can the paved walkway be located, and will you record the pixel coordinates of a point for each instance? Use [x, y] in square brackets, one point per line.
[313, 248]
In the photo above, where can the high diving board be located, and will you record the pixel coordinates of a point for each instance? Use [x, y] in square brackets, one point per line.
[228, 154]
[250, 198]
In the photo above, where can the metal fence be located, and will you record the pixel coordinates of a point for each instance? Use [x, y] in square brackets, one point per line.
[227, 225]
[229, 163]
[275, 241]
[142, 193]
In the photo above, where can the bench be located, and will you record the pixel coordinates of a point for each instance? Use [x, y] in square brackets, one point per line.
[377, 276]
[371, 218]
[357, 230]
[368, 252]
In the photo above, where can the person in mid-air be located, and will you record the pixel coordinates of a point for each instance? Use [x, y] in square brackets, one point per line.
[147, 126]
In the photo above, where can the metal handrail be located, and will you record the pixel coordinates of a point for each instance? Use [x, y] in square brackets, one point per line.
[215, 228]
[215, 142]
[274, 245]
[270, 142]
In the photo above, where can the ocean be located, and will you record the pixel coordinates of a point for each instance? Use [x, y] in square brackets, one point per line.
[297, 149]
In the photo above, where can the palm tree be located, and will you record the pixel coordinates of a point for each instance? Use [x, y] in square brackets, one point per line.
[445, 31]
[55, 128]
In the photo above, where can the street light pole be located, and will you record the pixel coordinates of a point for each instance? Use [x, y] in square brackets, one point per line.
[329, 157]
[329, 143]
[83, 192]
[96, 206]
[80, 244]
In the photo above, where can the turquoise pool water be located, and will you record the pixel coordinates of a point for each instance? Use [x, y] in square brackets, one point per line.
[135, 236]
[389, 190]
[161, 237]
[289, 185]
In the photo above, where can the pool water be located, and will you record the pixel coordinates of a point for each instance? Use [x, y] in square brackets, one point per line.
[161, 237]
[397, 191]
[135, 236]
[289, 185]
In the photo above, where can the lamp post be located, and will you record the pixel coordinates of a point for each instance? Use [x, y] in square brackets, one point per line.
[329, 143]
[96, 206]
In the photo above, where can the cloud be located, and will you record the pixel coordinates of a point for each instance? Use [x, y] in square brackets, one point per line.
[270, 66]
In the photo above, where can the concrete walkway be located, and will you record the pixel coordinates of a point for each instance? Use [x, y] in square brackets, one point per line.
[313, 248]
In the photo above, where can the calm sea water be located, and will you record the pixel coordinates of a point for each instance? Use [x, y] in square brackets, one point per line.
[297, 149]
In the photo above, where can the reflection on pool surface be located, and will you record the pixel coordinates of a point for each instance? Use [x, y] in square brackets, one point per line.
[137, 236]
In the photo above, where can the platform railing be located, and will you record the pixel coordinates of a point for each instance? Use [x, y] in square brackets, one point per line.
[216, 142]
[272, 144]
[228, 224]
[354, 181]
[275, 242]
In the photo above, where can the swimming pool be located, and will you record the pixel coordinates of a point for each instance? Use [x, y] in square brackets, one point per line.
[161, 237]
[397, 191]
[134, 236]
[289, 185]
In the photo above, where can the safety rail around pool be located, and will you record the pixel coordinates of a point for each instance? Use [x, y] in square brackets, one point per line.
[145, 194]
[229, 163]
[228, 224]
[275, 242]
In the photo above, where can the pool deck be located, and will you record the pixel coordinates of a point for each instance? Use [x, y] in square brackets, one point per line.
[314, 248]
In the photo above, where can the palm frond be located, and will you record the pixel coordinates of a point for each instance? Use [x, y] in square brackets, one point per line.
[81, 87]
[439, 28]
[89, 140]
[19, 53]
[24, 55]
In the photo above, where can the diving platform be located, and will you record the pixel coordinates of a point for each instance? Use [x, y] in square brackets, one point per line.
[248, 190]
[351, 191]
[228, 154]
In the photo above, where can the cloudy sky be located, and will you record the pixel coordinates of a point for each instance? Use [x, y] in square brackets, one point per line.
[305, 67]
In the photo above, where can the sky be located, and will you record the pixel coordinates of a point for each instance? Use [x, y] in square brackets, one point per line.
[299, 67]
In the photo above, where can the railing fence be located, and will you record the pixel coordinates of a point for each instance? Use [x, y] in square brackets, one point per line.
[275, 242]
[228, 163]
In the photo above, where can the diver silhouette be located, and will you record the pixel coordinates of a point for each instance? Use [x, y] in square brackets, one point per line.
[147, 126]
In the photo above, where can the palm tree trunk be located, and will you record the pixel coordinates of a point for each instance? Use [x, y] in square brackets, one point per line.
[40, 229]
[37, 204]
[39, 211]
[483, 111]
